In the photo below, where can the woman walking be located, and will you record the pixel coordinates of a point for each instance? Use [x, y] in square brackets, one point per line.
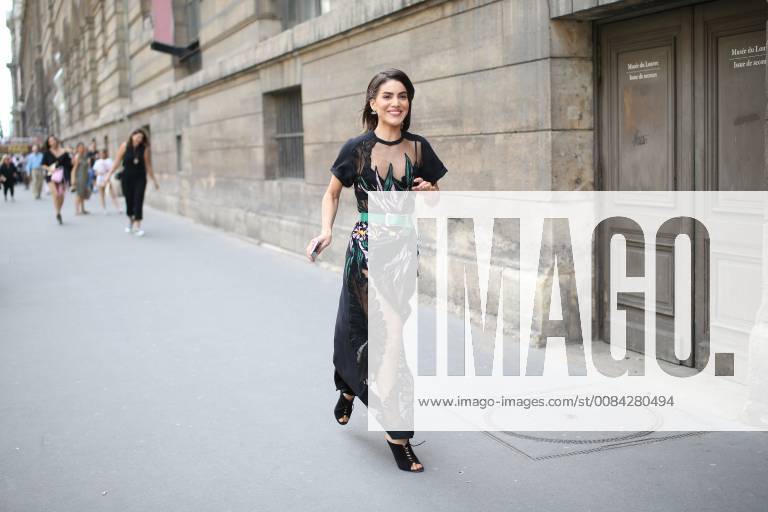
[58, 167]
[135, 157]
[101, 167]
[8, 176]
[81, 165]
[386, 157]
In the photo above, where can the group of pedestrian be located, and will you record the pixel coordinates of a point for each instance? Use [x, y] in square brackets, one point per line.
[17, 168]
[12, 171]
[84, 171]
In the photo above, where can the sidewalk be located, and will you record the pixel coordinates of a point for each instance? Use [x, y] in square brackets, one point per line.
[191, 371]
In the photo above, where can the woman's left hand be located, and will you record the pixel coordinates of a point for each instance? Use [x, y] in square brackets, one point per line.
[422, 186]
[157, 185]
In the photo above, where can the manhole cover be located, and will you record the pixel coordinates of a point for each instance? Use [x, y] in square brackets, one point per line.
[580, 437]
[551, 445]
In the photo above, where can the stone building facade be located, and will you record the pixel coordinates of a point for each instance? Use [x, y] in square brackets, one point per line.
[512, 94]
[504, 92]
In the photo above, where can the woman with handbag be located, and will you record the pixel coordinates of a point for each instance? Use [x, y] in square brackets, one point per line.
[58, 166]
[386, 157]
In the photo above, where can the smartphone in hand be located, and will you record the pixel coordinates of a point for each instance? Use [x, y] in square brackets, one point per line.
[313, 251]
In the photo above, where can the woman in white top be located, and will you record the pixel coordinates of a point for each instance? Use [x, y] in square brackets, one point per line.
[101, 167]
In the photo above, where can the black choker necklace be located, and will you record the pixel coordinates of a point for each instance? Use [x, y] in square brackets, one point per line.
[388, 142]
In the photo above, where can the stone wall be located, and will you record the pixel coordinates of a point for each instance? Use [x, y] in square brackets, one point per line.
[503, 93]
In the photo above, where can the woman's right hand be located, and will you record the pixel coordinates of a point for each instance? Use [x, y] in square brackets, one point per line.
[322, 242]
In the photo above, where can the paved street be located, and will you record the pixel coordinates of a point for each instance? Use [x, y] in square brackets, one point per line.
[191, 371]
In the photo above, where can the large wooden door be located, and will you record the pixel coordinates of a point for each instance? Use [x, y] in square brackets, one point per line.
[730, 78]
[680, 99]
[646, 106]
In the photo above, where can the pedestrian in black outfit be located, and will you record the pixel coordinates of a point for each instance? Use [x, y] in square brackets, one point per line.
[8, 176]
[134, 155]
[386, 157]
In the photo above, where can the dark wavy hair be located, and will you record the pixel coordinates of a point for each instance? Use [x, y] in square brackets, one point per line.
[370, 120]
[45, 144]
[144, 142]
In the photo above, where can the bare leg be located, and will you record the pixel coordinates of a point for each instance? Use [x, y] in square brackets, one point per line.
[102, 198]
[60, 197]
[54, 196]
[114, 198]
[57, 193]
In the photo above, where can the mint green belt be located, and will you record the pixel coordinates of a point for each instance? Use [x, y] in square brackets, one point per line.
[387, 219]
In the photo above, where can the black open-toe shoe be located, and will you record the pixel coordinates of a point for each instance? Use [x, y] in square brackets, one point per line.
[343, 408]
[404, 456]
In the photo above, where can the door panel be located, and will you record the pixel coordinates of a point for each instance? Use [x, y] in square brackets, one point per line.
[730, 97]
[740, 102]
[646, 144]
[646, 119]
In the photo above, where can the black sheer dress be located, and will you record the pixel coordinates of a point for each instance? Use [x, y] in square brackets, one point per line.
[370, 164]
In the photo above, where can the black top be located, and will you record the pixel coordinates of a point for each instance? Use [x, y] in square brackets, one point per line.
[92, 156]
[9, 172]
[63, 160]
[370, 163]
[133, 162]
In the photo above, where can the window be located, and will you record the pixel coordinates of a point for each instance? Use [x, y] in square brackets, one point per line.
[104, 29]
[179, 166]
[293, 12]
[284, 134]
